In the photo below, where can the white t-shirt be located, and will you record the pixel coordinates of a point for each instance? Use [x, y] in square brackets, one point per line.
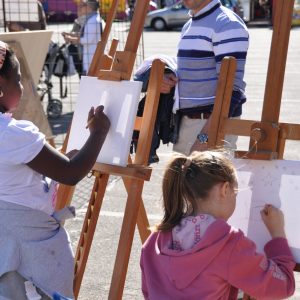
[20, 142]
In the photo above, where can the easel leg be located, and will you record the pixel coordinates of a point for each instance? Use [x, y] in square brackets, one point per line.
[143, 223]
[88, 229]
[280, 147]
[126, 238]
[142, 219]
[64, 196]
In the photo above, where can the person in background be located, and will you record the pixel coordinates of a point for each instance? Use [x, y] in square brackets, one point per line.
[41, 24]
[76, 49]
[212, 32]
[90, 32]
[35, 250]
[195, 254]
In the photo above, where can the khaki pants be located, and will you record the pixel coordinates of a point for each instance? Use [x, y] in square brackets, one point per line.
[188, 131]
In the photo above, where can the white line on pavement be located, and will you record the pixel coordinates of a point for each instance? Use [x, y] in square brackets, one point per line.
[121, 214]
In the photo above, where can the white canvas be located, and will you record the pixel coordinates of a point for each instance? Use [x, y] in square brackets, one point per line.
[260, 182]
[120, 100]
[19, 11]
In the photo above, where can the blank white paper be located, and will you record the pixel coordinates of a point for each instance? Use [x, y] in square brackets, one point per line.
[120, 100]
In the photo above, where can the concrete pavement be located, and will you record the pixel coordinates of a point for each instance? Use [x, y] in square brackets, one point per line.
[98, 273]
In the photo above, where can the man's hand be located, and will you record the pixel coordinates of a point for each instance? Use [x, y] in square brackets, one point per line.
[197, 146]
[70, 38]
[169, 81]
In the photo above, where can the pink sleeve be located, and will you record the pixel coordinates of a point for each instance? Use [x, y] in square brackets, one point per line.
[261, 276]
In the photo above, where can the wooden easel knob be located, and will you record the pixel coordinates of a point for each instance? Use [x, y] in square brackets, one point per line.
[258, 135]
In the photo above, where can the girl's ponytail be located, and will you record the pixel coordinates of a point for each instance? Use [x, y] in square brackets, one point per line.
[173, 201]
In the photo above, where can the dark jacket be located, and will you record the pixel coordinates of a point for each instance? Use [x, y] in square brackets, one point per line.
[164, 123]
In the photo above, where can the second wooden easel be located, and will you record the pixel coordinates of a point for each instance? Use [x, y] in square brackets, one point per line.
[133, 176]
[268, 136]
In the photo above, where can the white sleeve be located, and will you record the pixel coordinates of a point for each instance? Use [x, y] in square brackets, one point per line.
[23, 142]
[92, 31]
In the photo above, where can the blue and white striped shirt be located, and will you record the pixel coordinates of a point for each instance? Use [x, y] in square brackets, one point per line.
[213, 33]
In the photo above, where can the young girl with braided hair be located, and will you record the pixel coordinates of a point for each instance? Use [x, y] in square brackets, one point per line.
[195, 254]
[35, 249]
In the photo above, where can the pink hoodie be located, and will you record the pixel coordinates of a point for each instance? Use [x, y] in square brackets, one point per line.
[222, 261]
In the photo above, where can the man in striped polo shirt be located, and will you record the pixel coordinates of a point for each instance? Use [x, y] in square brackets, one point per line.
[212, 32]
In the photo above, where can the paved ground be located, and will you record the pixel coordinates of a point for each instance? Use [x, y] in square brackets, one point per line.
[99, 268]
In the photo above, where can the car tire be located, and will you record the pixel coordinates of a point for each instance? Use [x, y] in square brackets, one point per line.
[159, 24]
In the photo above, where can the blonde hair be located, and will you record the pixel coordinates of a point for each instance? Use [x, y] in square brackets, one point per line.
[190, 178]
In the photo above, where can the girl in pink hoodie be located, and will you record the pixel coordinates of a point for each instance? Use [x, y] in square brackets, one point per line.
[195, 254]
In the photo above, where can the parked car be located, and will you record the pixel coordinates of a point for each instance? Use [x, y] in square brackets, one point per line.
[177, 15]
[168, 17]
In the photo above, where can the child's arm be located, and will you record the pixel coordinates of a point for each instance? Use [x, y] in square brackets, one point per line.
[63, 169]
[264, 276]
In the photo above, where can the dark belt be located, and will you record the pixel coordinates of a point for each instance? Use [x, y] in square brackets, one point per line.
[202, 112]
[197, 115]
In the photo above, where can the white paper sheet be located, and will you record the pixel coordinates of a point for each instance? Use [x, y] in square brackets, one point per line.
[120, 100]
[276, 182]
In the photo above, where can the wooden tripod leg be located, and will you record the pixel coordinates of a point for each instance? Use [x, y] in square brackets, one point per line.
[126, 238]
[222, 102]
[143, 223]
[64, 195]
[142, 219]
[88, 229]
[64, 192]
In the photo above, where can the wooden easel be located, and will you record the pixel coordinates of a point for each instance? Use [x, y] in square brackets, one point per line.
[133, 177]
[135, 173]
[267, 137]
